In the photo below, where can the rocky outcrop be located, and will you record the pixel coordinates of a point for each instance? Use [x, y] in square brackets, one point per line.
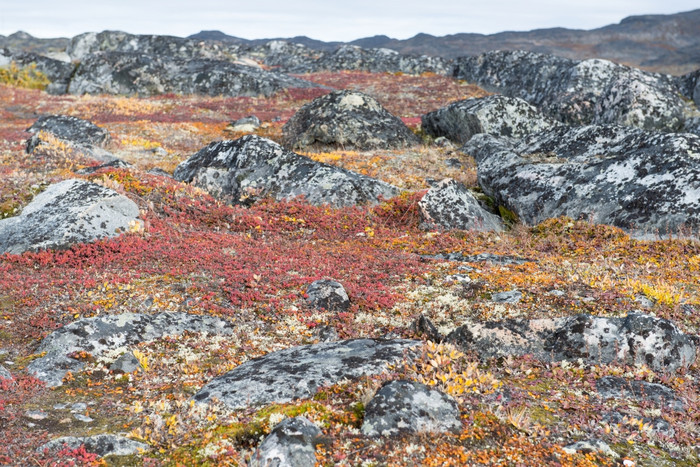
[633, 340]
[298, 372]
[134, 73]
[252, 167]
[107, 337]
[348, 119]
[102, 445]
[408, 407]
[579, 93]
[449, 205]
[291, 443]
[495, 115]
[646, 183]
[66, 213]
[328, 295]
[56, 71]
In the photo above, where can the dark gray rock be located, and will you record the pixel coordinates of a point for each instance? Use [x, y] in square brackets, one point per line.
[401, 407]
[495, 115]
[689, 86]
[251, 167]
[614, 387]
[647, 183]
[291, 443]
[579, 93]
[328, 295]
[348, 119]
[5, 373]
[692, 125]
[101, 335]
[68, 128]
[590, 446]
[450, 205]
[57, 72]
[70, 212]
[102, 445]
[131, 73]
[126, 363]
[298, 372]
[633, 340]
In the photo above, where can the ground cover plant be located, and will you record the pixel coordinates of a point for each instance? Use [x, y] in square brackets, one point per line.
[252, 264]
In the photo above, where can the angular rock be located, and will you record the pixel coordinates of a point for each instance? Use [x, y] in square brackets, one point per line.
[102, 445]
[450, 205]
[101, 335]
[328, 295]
[67, 128]
[614, 387]
[298, 372]
[632, 340]
[66, 213]
[402, 406]
[646, 183]
[5, 373]
[252, 167]
[495, 115]
[579, 93]
[348, 119]
[291, 443]
[126, 363]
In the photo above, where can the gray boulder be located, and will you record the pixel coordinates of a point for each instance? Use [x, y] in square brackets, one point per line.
[647, 183]
[614, 387]
[401, 407]
[70, 212]
[5, 373]
[291, 443]
[348, 119]
[579, 93]
[328, 295]
[451, 206]
[56, 71]
[68, 128]
[298, 372]
[252, 167]
[102, 445]
[495, 115]
[633, 340]
[101, 336]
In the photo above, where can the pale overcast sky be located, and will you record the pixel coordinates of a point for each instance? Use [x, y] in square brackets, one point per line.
[326, 20]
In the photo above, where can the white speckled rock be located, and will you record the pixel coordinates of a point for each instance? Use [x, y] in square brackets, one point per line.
[410, 407]
[451, 206]
[328, 295]
[66, 213]
[290, 443]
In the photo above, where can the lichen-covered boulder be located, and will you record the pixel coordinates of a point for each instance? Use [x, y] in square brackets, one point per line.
[328, 295]
[109, 336]
[298, 372]
[292, 442]
[579, 93]
[349, 119]
[252, 167]
[646, 183]
[408, 407]
[450, 205]
[67, 128]
[102, 445]
[66, 213]
[496, 115]
[633, 340]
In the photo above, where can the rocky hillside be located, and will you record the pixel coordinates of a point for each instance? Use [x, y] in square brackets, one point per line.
[380, 259]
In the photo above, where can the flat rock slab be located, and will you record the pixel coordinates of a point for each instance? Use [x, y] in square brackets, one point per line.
[408, 407]
[620, 388]
[292, 442]
[496, 115]
[299, 372]
[66, 213]
[251, 167]
[348, 119]
[102, 336]
[646, 183]
[70, 128]
[450, 205]
[632, 340]
[102, 445]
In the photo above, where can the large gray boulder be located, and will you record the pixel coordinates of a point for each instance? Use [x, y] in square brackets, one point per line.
[579, 93]
[66, 213]
[102, 445]
[450, 205]
[496, 115]
[291, 443]
[644, 182]
[348, 119]
[633, 340]
[299, 372]
[251, 167]
[105, 336]
[408, 407]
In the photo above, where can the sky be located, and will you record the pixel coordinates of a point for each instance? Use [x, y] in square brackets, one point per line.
[328, 20]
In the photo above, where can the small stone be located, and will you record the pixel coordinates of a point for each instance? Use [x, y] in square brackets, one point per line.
[5, 373]
[36, 414]
[327, 294]
[60, 406]
[245, 124]
[511, 296]
[78, 407]
[589, 446]
[83, 418]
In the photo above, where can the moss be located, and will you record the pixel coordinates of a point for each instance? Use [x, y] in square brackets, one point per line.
[509, 217]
